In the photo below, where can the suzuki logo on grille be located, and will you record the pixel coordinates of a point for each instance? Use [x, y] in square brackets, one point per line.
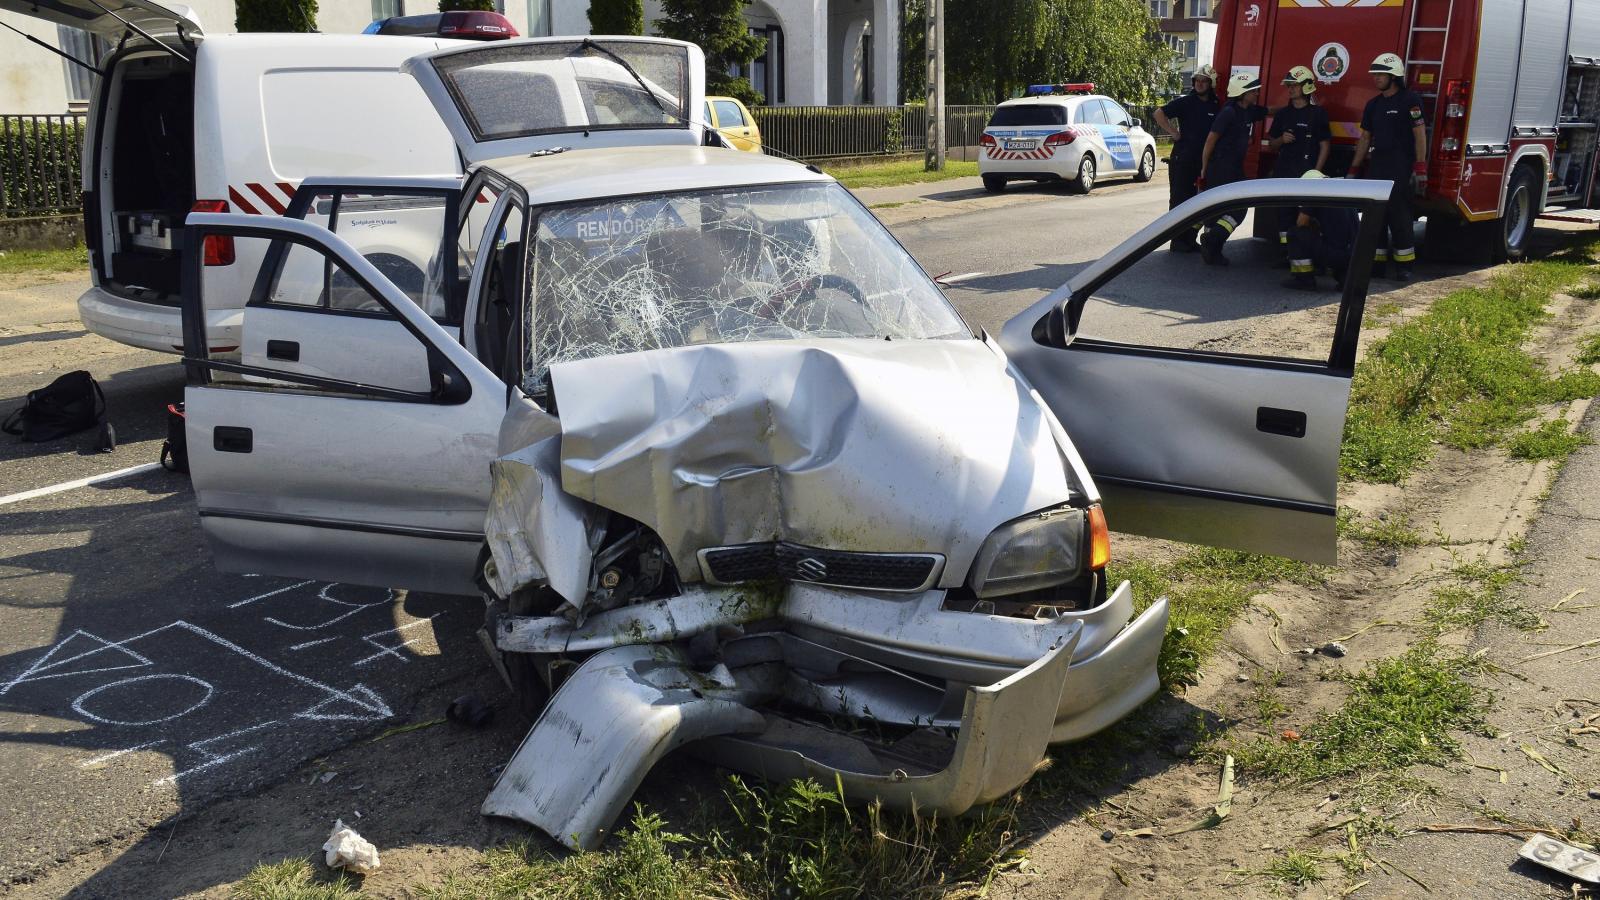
[811, 569]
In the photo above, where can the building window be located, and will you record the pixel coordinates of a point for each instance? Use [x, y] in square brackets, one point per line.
[766, 71]
[1188, 49]
[866, 67]
[1173, 42]
[80, 44]
[539, 16]
[1161, 9]
[387, 9]
[1200, 9]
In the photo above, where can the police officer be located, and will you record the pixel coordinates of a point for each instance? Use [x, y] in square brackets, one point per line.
[1300, 136]
[1392, 127]
[1321, 240]
[1193, 113]
[1222, 160]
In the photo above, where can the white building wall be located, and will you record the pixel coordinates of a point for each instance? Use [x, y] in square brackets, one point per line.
[32, 79]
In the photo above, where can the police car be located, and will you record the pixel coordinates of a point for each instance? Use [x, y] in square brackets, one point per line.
[1063, 132]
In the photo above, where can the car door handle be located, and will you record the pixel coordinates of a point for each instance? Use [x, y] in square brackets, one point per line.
[232, 439]
[1287, 422]
[288, 351]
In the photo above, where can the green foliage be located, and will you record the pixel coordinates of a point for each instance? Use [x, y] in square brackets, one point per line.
[1393, 532]
[1401, 712]
[1589, 351]
[1295, 868]
[275, 15]
[993, 49]
[43, 262]
[39, 168]
[1551, 440]
[900, 172]
[1457, 375]
[470, 5]
[294, 879]
[719, 27]
[1476, 592]
[616, 17]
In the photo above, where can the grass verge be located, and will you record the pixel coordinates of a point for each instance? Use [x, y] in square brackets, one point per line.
[1551, 440]
[44, 262]
[890, 174]
[295, 879]
[1458, 374]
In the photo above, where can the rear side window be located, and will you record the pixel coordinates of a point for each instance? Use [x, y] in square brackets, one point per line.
[1091, 113]
[728, 115]
[362, 122]
[1029, 114]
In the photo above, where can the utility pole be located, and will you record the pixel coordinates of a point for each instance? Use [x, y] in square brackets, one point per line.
[934, 160]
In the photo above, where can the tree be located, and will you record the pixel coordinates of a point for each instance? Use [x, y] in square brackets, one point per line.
[616, 17]
[719, 27]
[471, 5]
[275, 15]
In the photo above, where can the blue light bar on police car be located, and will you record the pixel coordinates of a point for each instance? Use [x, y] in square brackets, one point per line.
[1035, 90]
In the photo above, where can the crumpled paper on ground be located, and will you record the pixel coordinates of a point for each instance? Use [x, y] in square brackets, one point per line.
[348, 850]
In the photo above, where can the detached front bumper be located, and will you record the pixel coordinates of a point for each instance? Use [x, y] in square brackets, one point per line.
[980, 697]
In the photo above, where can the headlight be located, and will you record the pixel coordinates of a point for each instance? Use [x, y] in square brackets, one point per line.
[1039, 551]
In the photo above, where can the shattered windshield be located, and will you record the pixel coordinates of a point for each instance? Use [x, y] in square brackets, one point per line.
[744, 264]
[524, 89]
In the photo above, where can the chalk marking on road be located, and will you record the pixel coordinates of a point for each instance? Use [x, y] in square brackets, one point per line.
[323, 594]
[313, 643]
[386, 650]
[40, 665]
[316, 714]
[77, 705]
[282, 590]
[107, 757]
[78, 483]
[964, 276]
[215, 759]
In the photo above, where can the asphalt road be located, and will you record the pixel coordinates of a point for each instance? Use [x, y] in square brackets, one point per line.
[138, 683]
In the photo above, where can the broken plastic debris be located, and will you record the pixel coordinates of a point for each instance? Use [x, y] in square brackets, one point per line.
[1333, 649]
[345, 849]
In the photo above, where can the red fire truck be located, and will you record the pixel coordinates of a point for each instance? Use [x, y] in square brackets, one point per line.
[1511, 93]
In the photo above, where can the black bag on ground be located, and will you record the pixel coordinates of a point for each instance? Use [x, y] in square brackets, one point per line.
[71, 403]
[175, 449]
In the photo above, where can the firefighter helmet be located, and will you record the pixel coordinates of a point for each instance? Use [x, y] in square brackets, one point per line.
[1388, 64]
[1302, 76]
[1241, 83]
[1312, 174]
[1205, 72]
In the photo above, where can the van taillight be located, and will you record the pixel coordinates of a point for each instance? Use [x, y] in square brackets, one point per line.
[218, 248]
[1455, 116]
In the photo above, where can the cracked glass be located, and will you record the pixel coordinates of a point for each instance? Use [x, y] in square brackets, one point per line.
[749, 264]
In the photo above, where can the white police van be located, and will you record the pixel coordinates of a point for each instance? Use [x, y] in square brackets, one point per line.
[1063, 132]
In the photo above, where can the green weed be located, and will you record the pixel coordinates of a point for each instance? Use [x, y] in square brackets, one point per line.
[1392, 532]
[38, 262]
[294, 879]
[1589, 351]
[1476, 593]
[888, 174]
[1295, 868]
[1401, 711]
[1551, 440]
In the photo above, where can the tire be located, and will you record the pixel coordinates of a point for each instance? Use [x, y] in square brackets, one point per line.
[1506, 239]
[1084, 183]
[1147, 165]
[994, 184]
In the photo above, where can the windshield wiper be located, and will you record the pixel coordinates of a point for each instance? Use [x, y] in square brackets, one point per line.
[591, 45]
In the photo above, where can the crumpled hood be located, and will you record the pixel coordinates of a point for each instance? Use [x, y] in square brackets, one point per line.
[861, 445]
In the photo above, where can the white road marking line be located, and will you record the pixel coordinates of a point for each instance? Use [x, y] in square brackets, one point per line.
[964, 276]
[282, 590]
[78, 483]
[105, 757]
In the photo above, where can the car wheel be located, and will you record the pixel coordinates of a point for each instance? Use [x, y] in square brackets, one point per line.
[994, 184]
[1084, 183]
[1147, 165]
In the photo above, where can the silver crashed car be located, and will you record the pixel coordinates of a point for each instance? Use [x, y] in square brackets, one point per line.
[727, 467]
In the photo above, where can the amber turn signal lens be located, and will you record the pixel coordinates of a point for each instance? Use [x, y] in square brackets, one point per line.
[1099, 538]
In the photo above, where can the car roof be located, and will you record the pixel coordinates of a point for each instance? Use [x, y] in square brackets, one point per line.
[1053, 100]
[623, 171]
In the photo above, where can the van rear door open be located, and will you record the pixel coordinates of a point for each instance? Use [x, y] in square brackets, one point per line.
[111, 18]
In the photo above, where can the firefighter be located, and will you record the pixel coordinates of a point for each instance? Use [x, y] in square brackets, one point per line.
[1301, 137]
[1193, 113]
[1392, 127]
[1321, 240]
[1222, 160]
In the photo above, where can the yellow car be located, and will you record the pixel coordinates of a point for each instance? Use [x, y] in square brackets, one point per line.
[733, 119]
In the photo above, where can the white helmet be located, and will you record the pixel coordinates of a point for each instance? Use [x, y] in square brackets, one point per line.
[1205, 72]
[1300, 75]
[1241, 83]
[1388, 64]
[1312, 174]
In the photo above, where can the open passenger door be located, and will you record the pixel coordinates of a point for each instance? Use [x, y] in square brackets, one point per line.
[1215, 411]
[350, 439]
[513, 98]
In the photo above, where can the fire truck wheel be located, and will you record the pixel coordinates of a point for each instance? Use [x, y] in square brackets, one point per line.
[1506, 238]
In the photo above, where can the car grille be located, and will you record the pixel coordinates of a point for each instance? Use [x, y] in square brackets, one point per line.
[838, 568]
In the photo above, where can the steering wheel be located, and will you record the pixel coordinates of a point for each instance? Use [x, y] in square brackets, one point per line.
[839, 283]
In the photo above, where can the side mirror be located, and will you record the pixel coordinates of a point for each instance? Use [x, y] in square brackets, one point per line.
[1137, 123]
[1052, 328]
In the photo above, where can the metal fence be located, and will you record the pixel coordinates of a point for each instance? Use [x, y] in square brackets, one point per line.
[823, 132]
[39, 165]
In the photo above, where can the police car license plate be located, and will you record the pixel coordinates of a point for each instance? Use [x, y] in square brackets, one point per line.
[1021, 145]
[1561, 856]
